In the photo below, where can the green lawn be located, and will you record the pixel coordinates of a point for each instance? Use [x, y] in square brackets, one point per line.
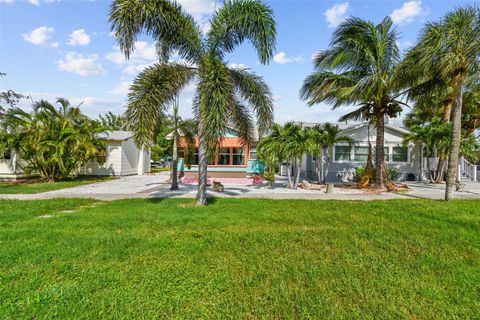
[239, 258]
[29, 186]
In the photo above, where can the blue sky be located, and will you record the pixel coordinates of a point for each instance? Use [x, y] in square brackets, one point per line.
[51, 48]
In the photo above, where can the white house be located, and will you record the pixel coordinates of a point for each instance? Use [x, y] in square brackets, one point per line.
[344, 158]
[123, 158]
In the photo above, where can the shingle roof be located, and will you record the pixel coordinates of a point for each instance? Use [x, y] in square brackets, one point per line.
[115, 135]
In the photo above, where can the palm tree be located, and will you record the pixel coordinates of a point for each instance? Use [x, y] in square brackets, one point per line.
[53, 143]
[451, 49]
[181, 129]
[331, 136]
[297, 141]
[224, 96]
[359, 69]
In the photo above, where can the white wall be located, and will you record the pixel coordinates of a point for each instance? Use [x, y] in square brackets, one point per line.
[129, 159]
[113, 165]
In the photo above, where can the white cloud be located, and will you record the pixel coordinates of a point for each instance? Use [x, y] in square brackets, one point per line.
[144, 52]
[79, 38]
[121, 88]
[82, 65]
[144, 55]
[282, 58]
[91, 106]
[39, 36]
[238, 66]
[201, 10]
[336, 14]
[32, 2]
[407, 12]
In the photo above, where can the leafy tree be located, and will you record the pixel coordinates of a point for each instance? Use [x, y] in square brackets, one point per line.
[224, 96]
[8, 99]
[359, 68]
[112, 121]
[53, 143]
[450, 49]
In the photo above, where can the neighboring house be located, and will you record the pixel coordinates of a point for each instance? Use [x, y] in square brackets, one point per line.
[233, 160]
[123, 158]
[344, 158]
[8, 167]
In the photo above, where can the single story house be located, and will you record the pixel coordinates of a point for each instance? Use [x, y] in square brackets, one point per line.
[233, 160]
[344, 158]
[123, 158]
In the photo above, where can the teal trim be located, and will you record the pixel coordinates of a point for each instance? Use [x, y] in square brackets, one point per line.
[231, 133]
[255, 166]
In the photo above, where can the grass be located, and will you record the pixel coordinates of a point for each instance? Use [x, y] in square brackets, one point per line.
[239, 258]
[29, 186]
[157, 170]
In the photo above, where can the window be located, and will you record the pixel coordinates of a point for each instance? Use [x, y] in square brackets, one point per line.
[399, 154]
[342, 153]
[195, 157]
[238, 156]
[181, 154]
[361, 154]
[253, 153]
[224, 157]
[386, 153]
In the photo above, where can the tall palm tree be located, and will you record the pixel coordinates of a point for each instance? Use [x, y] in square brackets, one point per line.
[359, 69]
[224, 96]
[451, 49]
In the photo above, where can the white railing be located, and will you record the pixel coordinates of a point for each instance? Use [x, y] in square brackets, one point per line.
[467, 169]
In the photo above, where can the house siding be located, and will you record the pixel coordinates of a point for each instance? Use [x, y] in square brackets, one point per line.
[112, 166]
[129, 158]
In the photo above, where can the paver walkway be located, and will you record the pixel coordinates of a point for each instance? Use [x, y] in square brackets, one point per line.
[157, 186]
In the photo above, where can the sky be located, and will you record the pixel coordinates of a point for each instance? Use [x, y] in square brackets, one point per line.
[63, 48]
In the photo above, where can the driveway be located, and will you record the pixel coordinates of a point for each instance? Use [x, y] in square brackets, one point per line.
[157, 186]
[123, 187]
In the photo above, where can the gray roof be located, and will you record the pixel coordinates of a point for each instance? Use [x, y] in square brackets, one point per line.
[115, 135]
[346, 127]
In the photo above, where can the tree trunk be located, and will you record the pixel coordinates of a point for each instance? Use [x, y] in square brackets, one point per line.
[174, 166]
[202, 168]
[327, 164]
[298, 171]
[379, 154]
[456, 139]
[289, 174]
[447, 113]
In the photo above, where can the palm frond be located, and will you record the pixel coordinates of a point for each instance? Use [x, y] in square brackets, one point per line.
[242, 20]
[151, 95]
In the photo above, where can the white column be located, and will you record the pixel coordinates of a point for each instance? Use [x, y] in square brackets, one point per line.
[141, 162]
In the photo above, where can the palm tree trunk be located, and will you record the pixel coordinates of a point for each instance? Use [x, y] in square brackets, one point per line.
[289, 175]
[202, 168]
[174, 166]
[456, 137]
[379, 157]
[447, 113]
[297, 173]
[327, 164]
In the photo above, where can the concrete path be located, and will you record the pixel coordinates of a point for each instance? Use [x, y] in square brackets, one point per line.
[157, 187]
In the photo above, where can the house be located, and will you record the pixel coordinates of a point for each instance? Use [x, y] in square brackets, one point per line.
[344, 158]
[123, 158]
[234, 160]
